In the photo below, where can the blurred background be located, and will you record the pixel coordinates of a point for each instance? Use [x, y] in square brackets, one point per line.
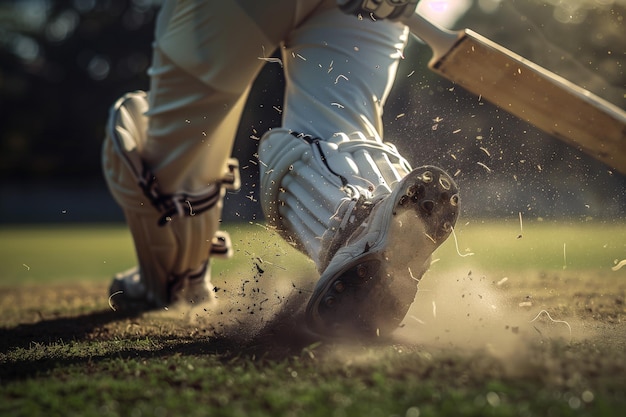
[63, 63]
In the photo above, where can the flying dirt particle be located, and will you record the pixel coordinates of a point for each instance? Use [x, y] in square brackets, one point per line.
[429, 237]
[619, 265]
[26, 266]
[340, 76]
[273, 60]
[416, 319]
[502, 281]
[554, 321]
[456, 243]
[111, 297]
[484, 166]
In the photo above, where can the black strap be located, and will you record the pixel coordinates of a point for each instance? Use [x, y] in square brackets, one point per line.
[182, 204]
[317, 143]
[176, 282]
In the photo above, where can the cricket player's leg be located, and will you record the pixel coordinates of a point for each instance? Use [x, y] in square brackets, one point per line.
[167, 155]
[154, 216]
[338, 191]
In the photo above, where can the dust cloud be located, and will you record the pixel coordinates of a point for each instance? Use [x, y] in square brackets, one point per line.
[262, 311]
[458, 311]
[467, 311]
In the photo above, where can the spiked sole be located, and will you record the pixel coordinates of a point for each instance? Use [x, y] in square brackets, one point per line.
[372, 280]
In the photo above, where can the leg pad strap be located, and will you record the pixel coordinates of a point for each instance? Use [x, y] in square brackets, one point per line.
[312, 186]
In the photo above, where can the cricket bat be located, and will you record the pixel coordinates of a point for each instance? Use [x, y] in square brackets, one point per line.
[526, 90]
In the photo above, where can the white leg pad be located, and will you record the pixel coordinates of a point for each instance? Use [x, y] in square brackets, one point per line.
[174, 235]
[311, 186]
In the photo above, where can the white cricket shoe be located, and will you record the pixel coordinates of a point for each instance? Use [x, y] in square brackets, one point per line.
[371, 280]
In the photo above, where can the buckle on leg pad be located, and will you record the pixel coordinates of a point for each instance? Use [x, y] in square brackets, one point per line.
[187, 204]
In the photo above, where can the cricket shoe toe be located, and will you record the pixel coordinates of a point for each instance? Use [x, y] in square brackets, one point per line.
[128, 293]
[371, 281]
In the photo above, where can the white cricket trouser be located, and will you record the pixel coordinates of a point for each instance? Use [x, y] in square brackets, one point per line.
[338, 69]
[206, 54]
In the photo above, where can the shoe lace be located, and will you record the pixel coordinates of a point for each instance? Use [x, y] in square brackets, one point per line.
[350, 219]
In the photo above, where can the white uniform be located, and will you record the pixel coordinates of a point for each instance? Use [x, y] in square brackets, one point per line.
[339, 70]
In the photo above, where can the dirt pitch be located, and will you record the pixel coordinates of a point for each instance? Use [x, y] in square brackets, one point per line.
[554, 339]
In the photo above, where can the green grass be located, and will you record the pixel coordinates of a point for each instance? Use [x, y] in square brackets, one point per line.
[64, 352]
[537, 245]
[95, 252]
[145, 377]
[63, 253]
[206, 385]
[31, 254]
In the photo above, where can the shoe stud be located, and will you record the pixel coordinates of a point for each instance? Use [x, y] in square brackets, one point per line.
[427, 177]
[361, 271]
[428, 206]
[445, 183]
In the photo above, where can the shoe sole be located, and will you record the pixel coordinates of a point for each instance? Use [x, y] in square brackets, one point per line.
[371, 282]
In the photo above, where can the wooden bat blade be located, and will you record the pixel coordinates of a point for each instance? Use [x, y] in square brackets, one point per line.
[530, 92]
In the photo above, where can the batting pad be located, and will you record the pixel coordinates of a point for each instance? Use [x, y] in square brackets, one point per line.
[310, 187]
[174, 234]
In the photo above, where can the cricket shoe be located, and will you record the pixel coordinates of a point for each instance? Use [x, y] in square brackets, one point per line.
[371, 281]
[128, 292]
